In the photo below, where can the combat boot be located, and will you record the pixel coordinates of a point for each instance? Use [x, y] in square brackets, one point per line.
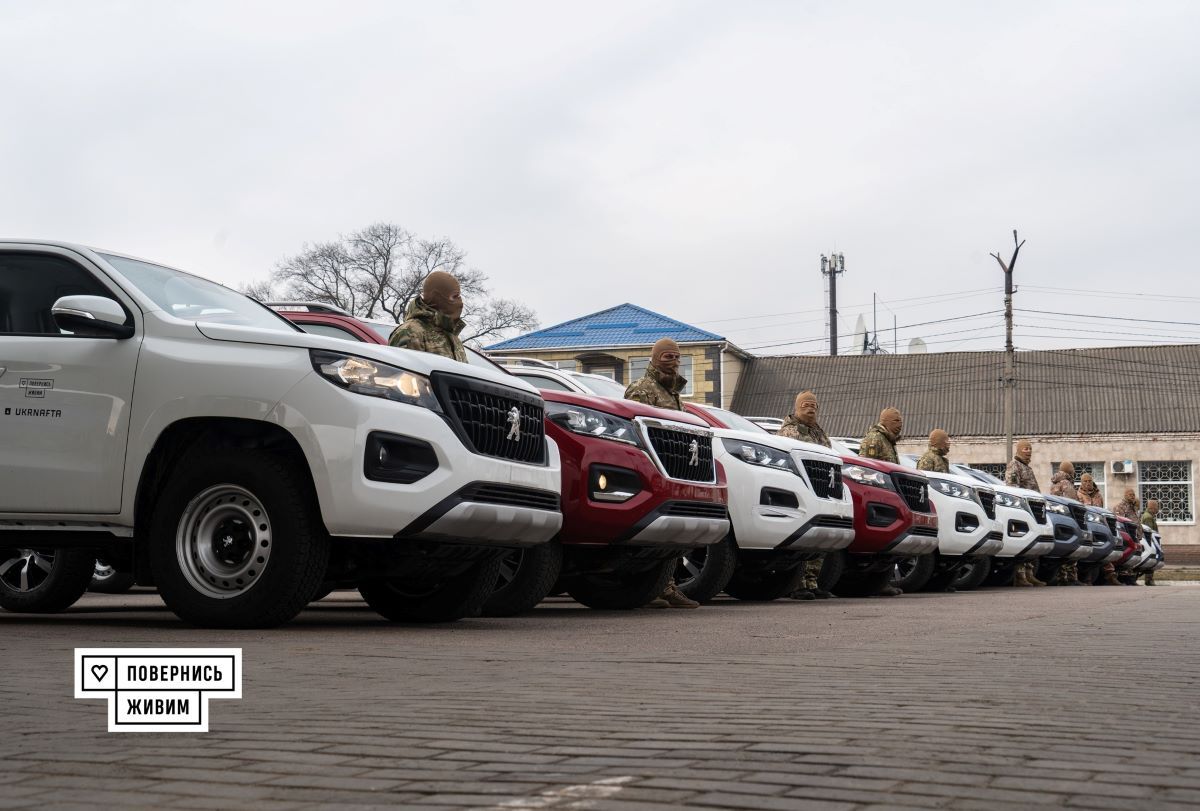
[802, 594]
[677, 599]
[1111, 579]
[822, 594]
[890, 591]
[1031, 576]
[1019, 578]
[1150, 579]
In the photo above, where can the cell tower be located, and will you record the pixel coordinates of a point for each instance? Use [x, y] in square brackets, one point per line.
[832, 266]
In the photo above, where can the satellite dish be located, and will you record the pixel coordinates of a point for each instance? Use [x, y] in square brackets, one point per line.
[917, 346]
[860, 337]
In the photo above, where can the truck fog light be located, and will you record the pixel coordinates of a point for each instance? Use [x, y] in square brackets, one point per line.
[1017, 528]
[613, 484]
[965, 522]
[397, 459]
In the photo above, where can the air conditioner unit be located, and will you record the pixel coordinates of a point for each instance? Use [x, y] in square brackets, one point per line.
[1124, 466]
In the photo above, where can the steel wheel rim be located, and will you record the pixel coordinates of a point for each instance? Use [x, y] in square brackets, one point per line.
[103, 570]
[691, 563]
[27, 569]
[224, 541]
[510, 564]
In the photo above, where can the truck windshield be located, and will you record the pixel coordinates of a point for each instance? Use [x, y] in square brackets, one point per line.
[194, 299]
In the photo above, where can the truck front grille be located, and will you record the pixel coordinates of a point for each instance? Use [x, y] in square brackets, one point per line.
[1038, 508]
[511, 495]
[683, 455]
[696, 509]
[1079, 514]
[826, 478]
[914, 490]
[987, 500]
[494, 420]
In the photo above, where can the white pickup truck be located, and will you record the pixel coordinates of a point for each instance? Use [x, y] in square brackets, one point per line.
[191, 436]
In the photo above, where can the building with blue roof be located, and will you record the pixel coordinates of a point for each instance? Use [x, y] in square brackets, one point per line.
[616, 343]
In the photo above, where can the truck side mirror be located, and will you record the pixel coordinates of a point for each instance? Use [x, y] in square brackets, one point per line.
[91, 316]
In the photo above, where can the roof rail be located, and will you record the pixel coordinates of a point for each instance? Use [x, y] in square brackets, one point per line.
[306, 307]
[519, 361]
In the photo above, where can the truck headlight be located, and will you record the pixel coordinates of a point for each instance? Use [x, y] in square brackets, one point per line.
[1011, 501]
[754, 454]
[866, 475]
[1055, 507]
[1096, 518]
[590, 422]
[374, 379]
[949, 488]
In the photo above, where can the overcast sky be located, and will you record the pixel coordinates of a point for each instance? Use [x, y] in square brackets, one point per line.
[693, 158]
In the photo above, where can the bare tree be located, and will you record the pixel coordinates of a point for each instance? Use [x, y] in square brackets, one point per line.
[261, 290]
[377, 271]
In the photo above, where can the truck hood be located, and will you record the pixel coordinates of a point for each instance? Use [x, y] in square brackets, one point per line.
[779, 443]
[627, 409]
[422, 363]
[879, 464]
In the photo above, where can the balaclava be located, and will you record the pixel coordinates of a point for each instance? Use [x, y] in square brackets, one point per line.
[1024, 451]
[806, 408]
[441, 292]
[892, 422]
[665, 357]
[1130, 495]
[939, 440]
[1088, 485]
[1152, 506]
[1067, 468]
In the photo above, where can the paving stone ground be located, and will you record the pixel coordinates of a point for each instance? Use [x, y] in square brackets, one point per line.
[1078, 698]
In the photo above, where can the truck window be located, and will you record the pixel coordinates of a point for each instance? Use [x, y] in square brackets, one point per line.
[31, 283]
[329, 331]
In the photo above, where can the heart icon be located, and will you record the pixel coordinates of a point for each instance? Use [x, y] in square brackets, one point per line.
[99, 671]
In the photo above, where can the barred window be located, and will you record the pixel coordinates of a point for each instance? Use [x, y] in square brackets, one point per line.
[1171, 484]
[565, 365]
[996, 469]
[1094, 468]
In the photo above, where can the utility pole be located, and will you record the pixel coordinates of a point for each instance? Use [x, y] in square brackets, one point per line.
[1010, 371]
[831, 267]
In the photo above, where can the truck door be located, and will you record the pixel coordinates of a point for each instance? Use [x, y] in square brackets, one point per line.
[64, 399]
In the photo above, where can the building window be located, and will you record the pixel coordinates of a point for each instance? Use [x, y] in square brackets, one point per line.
[637, 368]
[1094, 468]
[996, 469]
[1171, 484]
[565, 365]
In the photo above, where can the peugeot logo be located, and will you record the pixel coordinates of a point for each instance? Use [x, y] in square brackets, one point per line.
[514, 424]
[694, 450]
[832, 478]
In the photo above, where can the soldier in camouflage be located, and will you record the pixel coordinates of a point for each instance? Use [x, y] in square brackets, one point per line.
[1150, 519]
[660, 387]
[1129, 508]
[1020, 474]
[802, 424]
[1062, 484]
[880, 441]
[434, 319]
[1089, 494]
[934, 459]
[661, 384]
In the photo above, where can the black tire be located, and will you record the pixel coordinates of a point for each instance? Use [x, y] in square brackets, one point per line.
[971, 573]
[912, 573]
[764, 586]
[236, 541]
[526, 578]
[1091, 573]
[863, 583]
[444, 599]
[1001, 572]
[44, 581]
[621, 591]
[323, 591]
[946, 572]
[703, 573]
[107, 580]
[832, 569]
[1048, 570]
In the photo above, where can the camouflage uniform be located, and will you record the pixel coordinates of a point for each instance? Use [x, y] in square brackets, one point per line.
[1149, 520]
[793, 428]
[651, 390]
[1092, 498]
[878, 444]
[428, 330]
[1019, 474]
[1063, 486]
[933, 460]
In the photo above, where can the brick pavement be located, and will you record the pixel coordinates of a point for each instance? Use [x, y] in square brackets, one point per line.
[1080, 698]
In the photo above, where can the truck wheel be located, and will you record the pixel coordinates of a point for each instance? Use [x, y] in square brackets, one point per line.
[911, 574]
[43, 581]
[971, 573]
[1090, 574]
[621, 591]
[832, 569]
[107, 580]
[236, 541]
[764, 586]
[526, 577]
[434, 599]
[703, 573]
